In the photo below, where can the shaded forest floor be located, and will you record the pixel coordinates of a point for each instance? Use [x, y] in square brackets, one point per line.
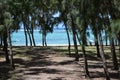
[53, 63]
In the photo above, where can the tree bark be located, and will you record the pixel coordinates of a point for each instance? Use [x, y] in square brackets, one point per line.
[114, 57]
[68, 37]
[106, 38]
[28, 32]
[97, 47]
[10, 50]
[103, 58]
[83, 34]
[26, 39]
[32, 35]
[85, 61]
[44, 43]
[6, 46]
[78, 39]
[74, 40]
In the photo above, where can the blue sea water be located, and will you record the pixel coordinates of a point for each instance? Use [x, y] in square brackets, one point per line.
[58, 37]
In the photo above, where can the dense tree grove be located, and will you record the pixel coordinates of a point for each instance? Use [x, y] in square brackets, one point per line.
[77, 16]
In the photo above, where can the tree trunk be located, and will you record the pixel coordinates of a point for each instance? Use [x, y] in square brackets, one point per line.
[74, 40]
[45, 40]
[97, 47]
[78, 39]
[42, 39]
[32, 35]
[10, 50]
[66, 28]
[85, 61]
[5, 47]
[26, 39]
[118, 37]
[116, 41]
[83, 34]
[29, 36]
[44, 43]
[114, 57]
[1, 44]
[1, 41]
[106, 38]
[103, 58]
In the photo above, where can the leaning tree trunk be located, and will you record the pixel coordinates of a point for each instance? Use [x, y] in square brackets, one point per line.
[85, 61]
[106, 38]
[83, 34]
[28, 32]
[26, 39]
[116, 41]
[114, 57]
[96, 42]
[74, 40]
[97, 47]
[32, 35]
[103, 58]
[45, 40]
[118, 37]
[68, 37]
[5, 47]
[1, 41]
[44, 43]
[78, 39]
[10, 50]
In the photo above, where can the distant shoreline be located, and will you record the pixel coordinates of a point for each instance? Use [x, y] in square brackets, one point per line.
[47, 45]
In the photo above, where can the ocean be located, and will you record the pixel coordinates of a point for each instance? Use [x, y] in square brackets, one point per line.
[58, 37]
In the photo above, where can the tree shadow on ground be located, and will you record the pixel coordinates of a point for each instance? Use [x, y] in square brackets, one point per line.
[66, 62]
[39, 57]
[100, 74]
[58, 78]
[4, 71]
[97, 74]
[35, 71]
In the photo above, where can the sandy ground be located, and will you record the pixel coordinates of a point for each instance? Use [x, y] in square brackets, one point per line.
[50, 65]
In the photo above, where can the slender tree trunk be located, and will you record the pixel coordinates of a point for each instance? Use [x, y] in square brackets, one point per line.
[103, 58]
[5, 47]
[27, 23]
[97, 47]
[42, 39]
[26, 39]
[78, 39]
[85, 61]
[10, 50]
[44, 43]
[68, 37]
[96, 43]
[114, 57]
[119, 46]
[74, 40]
[83, 34]
[116, 42]
[32, 36]
[45, 40]
[1, 42]
[118, 37]
[28, 32]
[106, 38]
